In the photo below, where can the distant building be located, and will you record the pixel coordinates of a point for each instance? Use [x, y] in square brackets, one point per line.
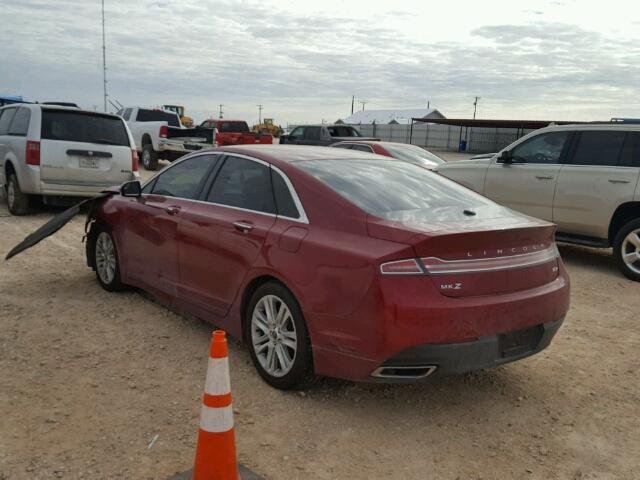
[390, 117]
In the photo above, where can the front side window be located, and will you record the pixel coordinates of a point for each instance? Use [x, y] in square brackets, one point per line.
[343, 131]
[243, 183]
[545, 148]
[5, 119]
[297, 133]
[233, 127]
[312, 133]
[599, 148]
[20, 124]
[343, 145]
[183, 180]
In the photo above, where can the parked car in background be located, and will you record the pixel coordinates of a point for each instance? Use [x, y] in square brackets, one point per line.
[322, 135]
[59, 152]
[584, 178]
[159, 134]
[402, 151]
[235, 132]
[336, 262]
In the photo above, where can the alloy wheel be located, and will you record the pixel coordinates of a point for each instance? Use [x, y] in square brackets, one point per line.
[274, 336]
[631, 251]
[105, 258]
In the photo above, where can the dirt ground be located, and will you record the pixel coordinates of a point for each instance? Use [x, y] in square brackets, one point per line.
[88, 379]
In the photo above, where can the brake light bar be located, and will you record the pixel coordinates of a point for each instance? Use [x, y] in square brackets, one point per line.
[32, 155]
[438, 266]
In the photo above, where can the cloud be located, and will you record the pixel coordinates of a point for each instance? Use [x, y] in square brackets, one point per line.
[306, 65]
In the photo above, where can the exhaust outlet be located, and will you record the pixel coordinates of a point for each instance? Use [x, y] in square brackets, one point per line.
[408, 372]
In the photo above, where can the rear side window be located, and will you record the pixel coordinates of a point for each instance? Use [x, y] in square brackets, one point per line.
[343, 131]
[74, 126]
[362, 148]
[631, 151]
[183, 179]
[20, 124]
[244, 184]
[5, 119]
[284, 202]
[312, 133]
[145, 115]
[599, 148]
[394, 190]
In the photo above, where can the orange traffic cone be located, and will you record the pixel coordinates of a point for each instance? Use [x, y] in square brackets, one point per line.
[216, 449]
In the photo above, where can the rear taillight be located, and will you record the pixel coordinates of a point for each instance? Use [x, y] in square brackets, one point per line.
[164, 131]
[134, 160]
[401, 267]
[33, 153]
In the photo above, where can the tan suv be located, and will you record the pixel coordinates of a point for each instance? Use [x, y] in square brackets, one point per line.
[584, 178]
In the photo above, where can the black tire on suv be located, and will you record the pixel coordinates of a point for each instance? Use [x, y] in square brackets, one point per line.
[17, 201]
[149, 157]
[626, 249]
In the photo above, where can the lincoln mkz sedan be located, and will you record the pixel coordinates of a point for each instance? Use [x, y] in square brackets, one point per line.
[335, 262]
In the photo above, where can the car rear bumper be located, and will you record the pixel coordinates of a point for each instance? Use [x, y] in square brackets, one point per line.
[455, 358]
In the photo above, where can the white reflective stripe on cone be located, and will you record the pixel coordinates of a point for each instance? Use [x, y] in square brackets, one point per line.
[216, 420]
[217, 382]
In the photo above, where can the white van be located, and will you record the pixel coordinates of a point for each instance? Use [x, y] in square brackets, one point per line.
[59, 152]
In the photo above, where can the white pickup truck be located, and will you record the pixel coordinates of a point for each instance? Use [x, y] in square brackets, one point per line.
[159, 134]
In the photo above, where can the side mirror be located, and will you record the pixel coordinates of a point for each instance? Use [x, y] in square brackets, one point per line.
[505, 157]
[131, 189]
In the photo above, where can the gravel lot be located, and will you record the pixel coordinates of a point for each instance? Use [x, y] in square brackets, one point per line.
[88, 379]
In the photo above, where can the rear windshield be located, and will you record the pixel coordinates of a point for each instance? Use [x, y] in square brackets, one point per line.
[393, 190]
[233, 127]
[343, 132]
[413, 154]
[145, 115]
[83, 127]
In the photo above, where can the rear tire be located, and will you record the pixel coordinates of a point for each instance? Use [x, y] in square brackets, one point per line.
[106, 261]
[149, 157]
[17, 201]
[626, 250]
[277, 337]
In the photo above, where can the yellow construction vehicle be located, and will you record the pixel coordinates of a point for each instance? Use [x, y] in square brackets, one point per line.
[179, 110]
[267, 126]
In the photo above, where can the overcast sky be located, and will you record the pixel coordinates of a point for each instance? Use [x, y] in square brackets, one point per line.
[303, 60]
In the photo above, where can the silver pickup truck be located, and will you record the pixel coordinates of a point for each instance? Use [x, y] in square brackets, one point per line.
[159, 134]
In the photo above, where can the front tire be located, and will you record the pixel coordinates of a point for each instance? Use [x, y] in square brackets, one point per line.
[626, 250]
[149, 158]
[106, 262]
[277, 336]
[17, 201]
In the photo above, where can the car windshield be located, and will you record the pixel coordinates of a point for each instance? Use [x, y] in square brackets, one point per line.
[233, 127]
[343, 131]
[86, 127]
[413, 154]
[394, 190]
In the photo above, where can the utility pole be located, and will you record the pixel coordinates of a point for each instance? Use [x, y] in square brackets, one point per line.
[104, 62]
[353, 99]
[428, 104]
[220, 110]
[363, 102]
[260, 113]
[475, 106]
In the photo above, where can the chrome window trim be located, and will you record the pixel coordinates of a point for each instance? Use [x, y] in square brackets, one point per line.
[292, 191]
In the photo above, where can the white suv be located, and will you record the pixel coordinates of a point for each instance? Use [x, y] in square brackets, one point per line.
[584, 178]
[60, 152]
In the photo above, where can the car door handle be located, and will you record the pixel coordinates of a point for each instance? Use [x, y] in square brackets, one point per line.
[613, 180]
[172, 210]
[244, 227]
[544, 177]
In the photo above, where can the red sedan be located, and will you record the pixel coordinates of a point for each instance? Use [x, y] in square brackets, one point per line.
[336, 262]
[402, 151]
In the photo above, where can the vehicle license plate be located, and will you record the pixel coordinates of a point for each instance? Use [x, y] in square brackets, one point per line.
[89, 163]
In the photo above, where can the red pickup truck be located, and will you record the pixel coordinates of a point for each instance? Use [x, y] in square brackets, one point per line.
[235, 132]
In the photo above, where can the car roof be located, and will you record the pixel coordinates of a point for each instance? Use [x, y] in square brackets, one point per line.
[324, 125]
[591, 126]
[276, 153]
